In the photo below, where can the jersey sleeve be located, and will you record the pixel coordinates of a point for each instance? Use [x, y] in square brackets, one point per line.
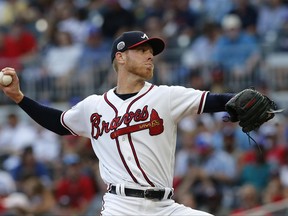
[76, 119]
[185, 101]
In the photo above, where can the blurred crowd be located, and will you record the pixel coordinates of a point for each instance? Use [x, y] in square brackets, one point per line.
[64, 46]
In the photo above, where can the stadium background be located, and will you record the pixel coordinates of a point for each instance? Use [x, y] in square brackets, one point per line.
[61, 51]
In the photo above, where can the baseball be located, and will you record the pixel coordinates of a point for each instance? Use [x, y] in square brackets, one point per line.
[5, 80]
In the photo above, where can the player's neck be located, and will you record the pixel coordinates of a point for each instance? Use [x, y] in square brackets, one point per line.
[129, 85]
[120, 89]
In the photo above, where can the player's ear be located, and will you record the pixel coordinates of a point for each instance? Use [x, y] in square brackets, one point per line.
[120, 56]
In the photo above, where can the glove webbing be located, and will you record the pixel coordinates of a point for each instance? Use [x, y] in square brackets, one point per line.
[258, 107]
[252, 124]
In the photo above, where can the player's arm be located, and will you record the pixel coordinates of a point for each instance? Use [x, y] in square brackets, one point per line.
[216, 102]
[47, 117]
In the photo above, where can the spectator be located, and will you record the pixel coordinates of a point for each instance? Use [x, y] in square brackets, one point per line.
[22, 44]
[181, 25]
[198, 55]
[95, 50]
[281, 44]
[270, 140]
[194, 79]
[59, 63]
[47, 148]
[75, 190]
[187, 199]
[217, 164]
[216, 10]
[274, 190]
[95, 205]
[221, 167]
[229, 141]
[41, 198]
[207, 178]
[248, 15]
[183, 14]
[248, 199]
[10, 143]
[11, 10]
[14, 204]
[272, 16]
[59, 58]
[29, 167]
[187, 149]
[6, 54]
[283, 170]
[7, 187]
[44, 7]
[223, 130]
[197, 59]
[112, 24]
[256, 173]
[236, 52]
[154, 9]
[153, 26]
[92, 67]
[75, 21]
[7, 183]
[18, 46]
[75, 144]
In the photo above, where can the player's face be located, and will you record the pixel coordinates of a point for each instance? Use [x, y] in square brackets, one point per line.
[140, 61]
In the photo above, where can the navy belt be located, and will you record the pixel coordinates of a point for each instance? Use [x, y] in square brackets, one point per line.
[151, 193]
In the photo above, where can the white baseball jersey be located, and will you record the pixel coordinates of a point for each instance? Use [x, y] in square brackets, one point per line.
[135, 139]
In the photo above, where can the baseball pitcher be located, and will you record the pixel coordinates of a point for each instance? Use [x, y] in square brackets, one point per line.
[132, 127]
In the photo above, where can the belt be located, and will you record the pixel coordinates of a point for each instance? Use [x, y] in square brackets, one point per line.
[151, 193]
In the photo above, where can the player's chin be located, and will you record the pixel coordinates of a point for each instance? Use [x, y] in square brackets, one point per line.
[149, 74]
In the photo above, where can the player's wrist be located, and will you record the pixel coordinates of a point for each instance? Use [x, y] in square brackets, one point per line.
[18, 98]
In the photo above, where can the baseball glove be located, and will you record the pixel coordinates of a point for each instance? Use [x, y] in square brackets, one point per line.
[251, 109]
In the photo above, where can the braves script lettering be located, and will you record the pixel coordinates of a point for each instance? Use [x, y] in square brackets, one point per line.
[100, 126]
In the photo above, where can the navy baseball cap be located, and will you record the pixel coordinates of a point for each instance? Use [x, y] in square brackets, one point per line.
[131, 39]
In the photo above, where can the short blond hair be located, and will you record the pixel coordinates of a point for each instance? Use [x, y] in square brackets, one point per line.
[115, 65]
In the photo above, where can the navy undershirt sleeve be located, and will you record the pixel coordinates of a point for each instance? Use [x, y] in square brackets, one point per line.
[216, 102]
[47, 117]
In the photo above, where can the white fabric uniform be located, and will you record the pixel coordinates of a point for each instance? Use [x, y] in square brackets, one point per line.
[142, 154]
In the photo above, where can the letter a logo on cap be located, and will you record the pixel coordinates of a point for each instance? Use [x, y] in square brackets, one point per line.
[144, 36]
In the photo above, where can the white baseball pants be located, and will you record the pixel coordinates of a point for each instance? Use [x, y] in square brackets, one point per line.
[123, 205]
